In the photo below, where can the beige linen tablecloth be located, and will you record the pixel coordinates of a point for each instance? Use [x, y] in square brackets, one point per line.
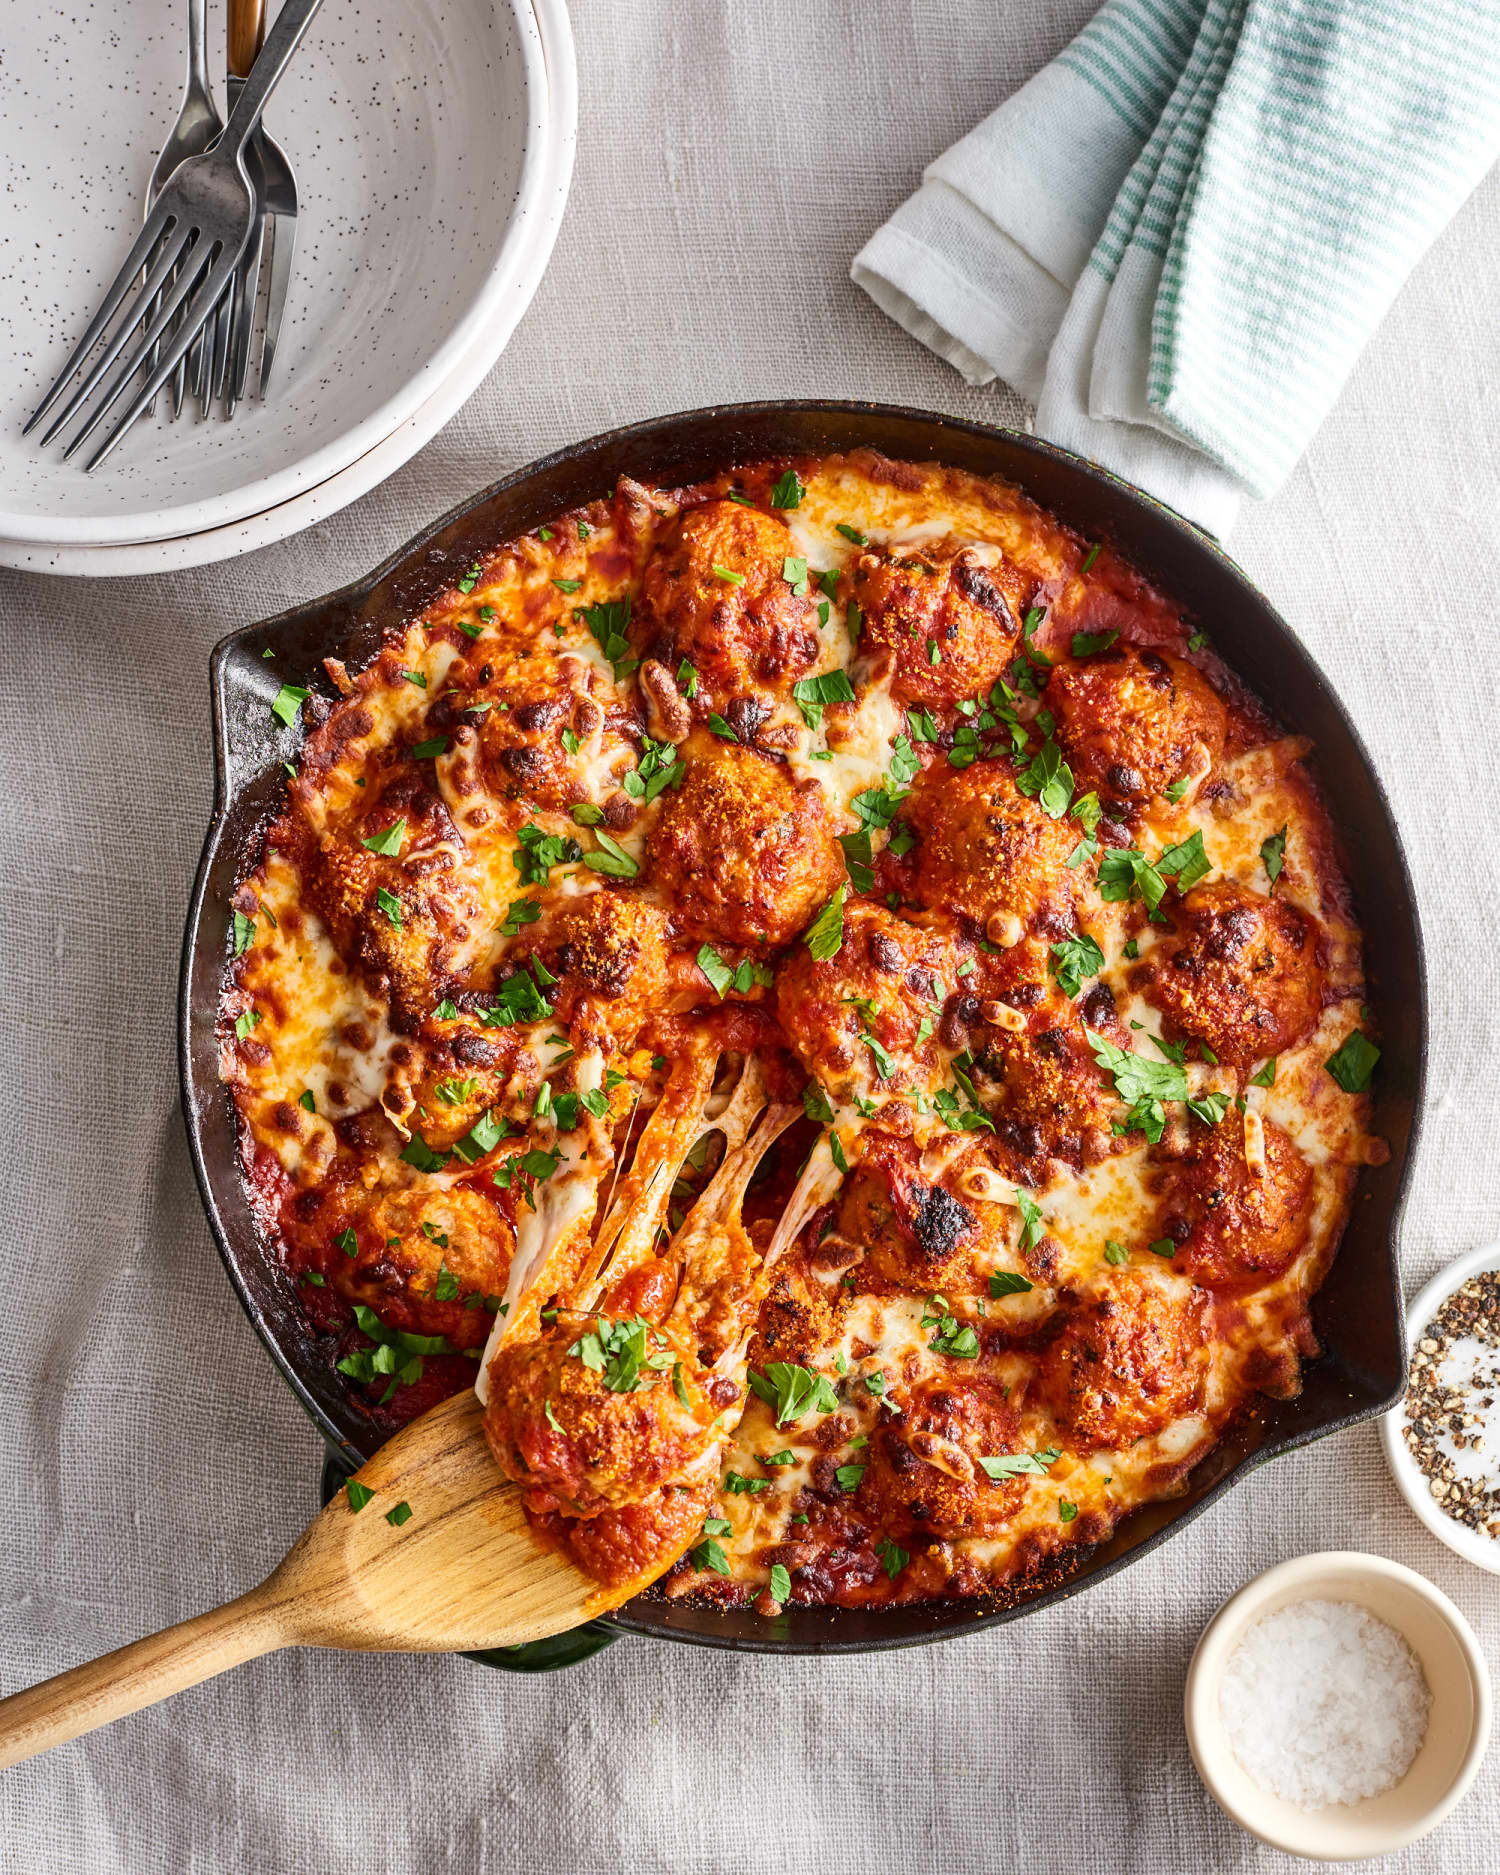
[731, 161]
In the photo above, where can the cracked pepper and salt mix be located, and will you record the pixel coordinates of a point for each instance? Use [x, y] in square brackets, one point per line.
[1452, 1420]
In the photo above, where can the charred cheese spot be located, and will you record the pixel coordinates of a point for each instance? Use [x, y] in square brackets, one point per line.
[918, 1233]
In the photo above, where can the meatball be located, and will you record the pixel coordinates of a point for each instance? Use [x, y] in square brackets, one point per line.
[1040, 1084]
[633, 1540]
[916, 1234]
[1128, 720]
[799, 1316]
[613, 952]
[398, 914]
[535, 702]
[745, 853]
[593, 1415]
[949, 622]
[1129, 1357]
[990, 853]
[924, 1477]
[745, 633]
[412, 1248]
[1234, 1226]
[1241, 972]
[851, 1017]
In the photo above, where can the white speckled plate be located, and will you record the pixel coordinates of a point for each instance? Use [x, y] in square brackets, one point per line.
[316, 504]
[417, 129]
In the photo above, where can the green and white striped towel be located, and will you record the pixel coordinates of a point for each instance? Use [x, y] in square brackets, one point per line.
[1179, 235]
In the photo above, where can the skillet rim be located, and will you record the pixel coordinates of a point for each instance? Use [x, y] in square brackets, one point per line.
[347, 609]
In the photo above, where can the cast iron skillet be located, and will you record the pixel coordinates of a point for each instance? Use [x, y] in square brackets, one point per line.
[1357, 1312]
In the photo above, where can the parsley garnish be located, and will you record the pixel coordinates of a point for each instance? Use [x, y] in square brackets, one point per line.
[287, 701]
[1273, 855]
[781, 1583]
[1093, 555]
[720, 728]
[1186, 861]
[687, 679]
[611, 859]
[788, 491]
[400, 1515]
[728, 575]
[1086, 643]
[1115, 1253]
[1021, 1464]
[824, 937]
[853, 534]
[792, 1391]
[794, 572]
[359, 1494]
[848, 1476]
[893, 1559]
[1073, 960]
[811, 693]
[1265, 1074]
[389, 904]
[617, 1351]
[424, 751]
[1007, 1283]
[244, 933]
[1353, 1062]
[539, 852]
[1049, 778]
[950, 1337]
[1144, 1084]
[389, 841]
[607, 624]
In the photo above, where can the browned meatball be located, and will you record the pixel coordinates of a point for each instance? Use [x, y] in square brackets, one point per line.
[613, 952]
[801, 1314]
[743, 633]
[601, 1432]
[398, 914]
[990, 853]
[1130, 1356]
[1127, 720]
[404, 1242]
[1233, 1226]
[535, 702]
[888, 980]
[1240, 971]
[924, 1476]
[949, 622]
[915, 1234]
[745, 853]
[1040, 1084]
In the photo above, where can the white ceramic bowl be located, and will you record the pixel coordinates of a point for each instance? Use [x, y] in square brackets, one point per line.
[211, 545]
[1458, 1726]
[417, 128]
[1482, 1551]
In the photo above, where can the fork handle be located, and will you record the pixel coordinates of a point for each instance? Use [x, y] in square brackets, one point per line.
[247, 30]
[281, 42]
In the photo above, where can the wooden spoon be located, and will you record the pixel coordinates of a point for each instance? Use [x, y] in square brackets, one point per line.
[463, 1571]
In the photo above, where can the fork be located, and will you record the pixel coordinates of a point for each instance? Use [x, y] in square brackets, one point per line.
[198, 123]
[199, 225]
[269, 255]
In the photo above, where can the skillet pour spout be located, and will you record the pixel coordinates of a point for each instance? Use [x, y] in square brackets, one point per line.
[1356, 1313]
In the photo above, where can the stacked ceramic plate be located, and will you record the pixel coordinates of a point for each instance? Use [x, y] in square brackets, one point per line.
[433, 145]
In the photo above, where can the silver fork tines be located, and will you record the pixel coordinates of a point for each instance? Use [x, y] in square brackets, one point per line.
[200, 225]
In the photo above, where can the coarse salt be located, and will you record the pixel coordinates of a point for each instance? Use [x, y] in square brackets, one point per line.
[1324, 1704]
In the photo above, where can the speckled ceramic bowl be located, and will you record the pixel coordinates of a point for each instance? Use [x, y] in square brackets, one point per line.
[418, 129]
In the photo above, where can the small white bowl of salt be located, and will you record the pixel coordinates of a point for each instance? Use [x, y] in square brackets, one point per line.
[1338, 1706]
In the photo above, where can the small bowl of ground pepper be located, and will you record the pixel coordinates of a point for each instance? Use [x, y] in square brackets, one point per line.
[1443, 1441]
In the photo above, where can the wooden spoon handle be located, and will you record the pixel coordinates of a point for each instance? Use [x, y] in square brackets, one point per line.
[138, 1675]
[247, 28]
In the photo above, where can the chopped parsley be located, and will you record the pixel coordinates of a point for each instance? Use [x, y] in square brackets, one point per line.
[687, 680]
[788, 491]
[424, 751]
[244, 1023]
[415, 677]
[794, 572]
[485, 1134]
[893, 1559]
[287, 701]
[539, 852]
[720, 728]
[791, 1392]
[1115, 1253]
[1007, 1283]
[1273, 855]
[305, 1099]
[1163, 1247]
[244, 933]
[611, 859]
[1353, 1062]
[1021, 1464]
[390, 841]
[1093, 555]
[950, 1336]
[1066, 1511]
[400, 1514]
[781, 1583]
[853, 534]
[607, 624]
[618, 1351]
[567, 585]
[709, 1554]
[1265, 1074]
[389, 904]
[1186, 862]
[728, 575]
[1086, 643]
[1048, 777]
[848, 1476]
[1144, 1085]
[812, 693]
[1073, 960]
[824, 937]
[359, 1494]
[1033, 1224]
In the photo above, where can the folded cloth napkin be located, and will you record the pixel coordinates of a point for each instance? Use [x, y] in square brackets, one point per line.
[1177, 237]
